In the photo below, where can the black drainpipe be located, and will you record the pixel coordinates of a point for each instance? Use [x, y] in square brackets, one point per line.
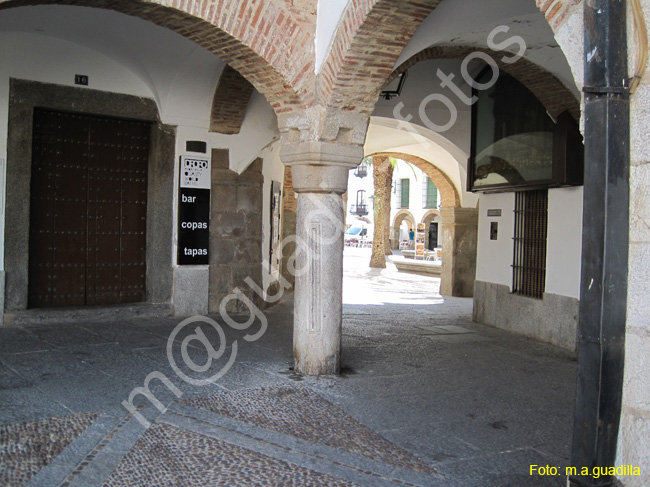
[603, 295]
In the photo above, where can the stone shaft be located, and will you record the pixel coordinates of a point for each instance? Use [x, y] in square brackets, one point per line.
[319, 284]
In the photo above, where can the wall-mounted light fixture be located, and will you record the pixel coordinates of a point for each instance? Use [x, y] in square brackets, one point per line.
[394, 88]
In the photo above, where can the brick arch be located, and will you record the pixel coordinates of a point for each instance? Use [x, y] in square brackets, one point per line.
[353, 73]
[548, 89]
[404, 215]
[449, 195]
[230, 101]
[251, 36]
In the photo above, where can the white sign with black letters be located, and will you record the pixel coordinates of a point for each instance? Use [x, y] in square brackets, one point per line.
[195, 172]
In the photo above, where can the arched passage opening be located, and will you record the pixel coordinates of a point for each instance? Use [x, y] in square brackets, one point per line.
[555, 14]
[402, 216]
[350, 60]
[458, 225]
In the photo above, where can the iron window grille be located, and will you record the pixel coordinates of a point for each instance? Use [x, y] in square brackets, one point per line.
[529, 261]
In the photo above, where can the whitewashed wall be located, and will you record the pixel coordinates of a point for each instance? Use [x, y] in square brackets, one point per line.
[328, 19]
[564, 242]
[494, 257]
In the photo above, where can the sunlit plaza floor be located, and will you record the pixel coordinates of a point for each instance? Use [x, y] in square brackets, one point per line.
[426, 398]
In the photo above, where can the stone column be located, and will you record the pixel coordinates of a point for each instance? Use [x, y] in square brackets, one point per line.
[320, 151]
[459, 239]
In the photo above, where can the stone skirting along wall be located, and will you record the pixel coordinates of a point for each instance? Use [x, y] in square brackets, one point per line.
[553, 319]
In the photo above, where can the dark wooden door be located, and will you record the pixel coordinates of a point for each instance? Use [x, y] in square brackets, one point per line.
[433, 235]
[87, 210]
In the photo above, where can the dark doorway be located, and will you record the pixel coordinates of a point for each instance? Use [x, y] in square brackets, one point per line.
[88, 210]
[433, 235]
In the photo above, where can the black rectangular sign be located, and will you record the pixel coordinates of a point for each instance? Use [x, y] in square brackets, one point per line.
[194, 212]
[193, 226]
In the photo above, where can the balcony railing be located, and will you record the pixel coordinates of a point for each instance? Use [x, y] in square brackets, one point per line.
[360, 210]
[361, 171]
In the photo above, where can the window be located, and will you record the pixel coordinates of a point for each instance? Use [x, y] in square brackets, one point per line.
[529, 262]
[403, 189]
[361, 198]
[516, 144]
[360, 208]
[429, 194]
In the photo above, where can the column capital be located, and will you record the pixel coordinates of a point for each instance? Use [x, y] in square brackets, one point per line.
[323, 124]
[320, 167]
[321, 145]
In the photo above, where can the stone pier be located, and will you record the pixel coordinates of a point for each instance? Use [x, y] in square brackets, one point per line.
[459, 237]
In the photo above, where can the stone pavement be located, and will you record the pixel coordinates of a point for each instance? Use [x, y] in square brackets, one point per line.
[426, 398]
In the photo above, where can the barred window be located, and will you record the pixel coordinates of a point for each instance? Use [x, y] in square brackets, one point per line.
[529, 262]
[429, 194]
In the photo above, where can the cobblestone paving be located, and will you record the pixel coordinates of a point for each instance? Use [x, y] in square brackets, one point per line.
[25, 448]
[302, 413]
[166, 456]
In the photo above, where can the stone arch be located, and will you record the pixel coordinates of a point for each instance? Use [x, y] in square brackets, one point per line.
[548, 89]
[449, 195]
[255, 45]
[427, 218]
[430, 215]
[353, 75]
[403, 215]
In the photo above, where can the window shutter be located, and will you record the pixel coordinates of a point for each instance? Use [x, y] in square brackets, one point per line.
[406, 187]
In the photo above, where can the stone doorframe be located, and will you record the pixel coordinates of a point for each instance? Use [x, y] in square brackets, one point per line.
[24, 96]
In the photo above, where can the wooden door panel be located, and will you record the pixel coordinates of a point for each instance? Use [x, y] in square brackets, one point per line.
[88, 210]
